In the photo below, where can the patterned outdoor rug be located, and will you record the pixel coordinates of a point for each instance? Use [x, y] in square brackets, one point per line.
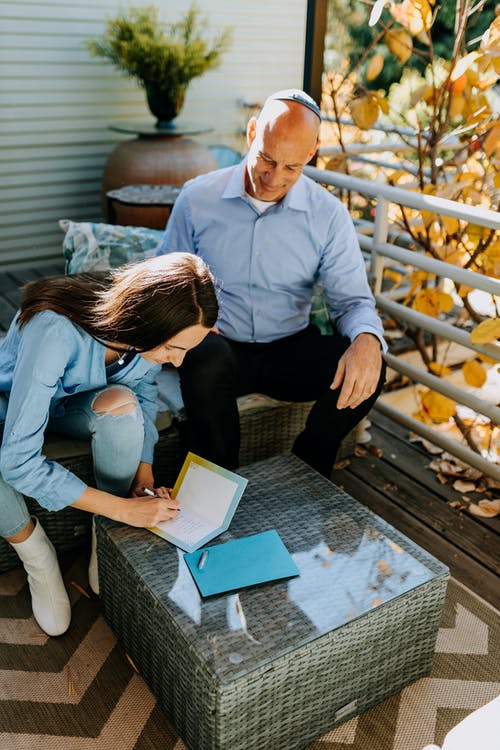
[80, 692]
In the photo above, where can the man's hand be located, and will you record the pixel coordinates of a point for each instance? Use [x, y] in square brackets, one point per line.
[358, 371]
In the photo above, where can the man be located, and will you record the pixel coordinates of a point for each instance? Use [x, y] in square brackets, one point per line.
[268, 233]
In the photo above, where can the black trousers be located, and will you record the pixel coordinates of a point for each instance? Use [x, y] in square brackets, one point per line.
[296, 368]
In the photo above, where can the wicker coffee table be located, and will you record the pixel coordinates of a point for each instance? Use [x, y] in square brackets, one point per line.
[278, 665]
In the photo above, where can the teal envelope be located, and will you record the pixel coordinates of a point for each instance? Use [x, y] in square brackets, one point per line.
[241, 563]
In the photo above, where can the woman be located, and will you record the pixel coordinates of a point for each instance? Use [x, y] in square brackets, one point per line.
[81, 356]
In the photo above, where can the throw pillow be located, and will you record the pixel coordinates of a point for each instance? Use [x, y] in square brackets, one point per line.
[88, 246]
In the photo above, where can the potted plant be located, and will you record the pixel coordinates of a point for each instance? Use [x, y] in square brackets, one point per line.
[162, 57]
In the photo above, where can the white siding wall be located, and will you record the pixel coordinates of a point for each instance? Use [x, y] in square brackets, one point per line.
[56, 103]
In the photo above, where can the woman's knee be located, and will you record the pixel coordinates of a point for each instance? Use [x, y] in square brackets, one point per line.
[115, 401]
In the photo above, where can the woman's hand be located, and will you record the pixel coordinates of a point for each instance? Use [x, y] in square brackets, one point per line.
[146, 511]
[143, 511]
[143, 478]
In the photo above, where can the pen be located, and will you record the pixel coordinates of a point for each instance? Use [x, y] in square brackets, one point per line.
[202, 560]
[149, 492]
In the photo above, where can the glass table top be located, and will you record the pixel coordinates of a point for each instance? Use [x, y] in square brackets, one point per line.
[350, 563]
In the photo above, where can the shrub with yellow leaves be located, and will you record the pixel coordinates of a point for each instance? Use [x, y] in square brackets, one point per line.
[454, 153]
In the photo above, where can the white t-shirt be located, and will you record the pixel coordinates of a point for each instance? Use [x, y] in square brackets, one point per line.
[261, 206]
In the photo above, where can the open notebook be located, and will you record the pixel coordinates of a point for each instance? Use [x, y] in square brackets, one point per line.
[208, 496]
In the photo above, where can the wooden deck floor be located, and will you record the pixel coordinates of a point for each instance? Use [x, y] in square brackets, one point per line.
[394, 481]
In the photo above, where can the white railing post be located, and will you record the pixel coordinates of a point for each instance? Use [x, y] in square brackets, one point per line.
[380, 233]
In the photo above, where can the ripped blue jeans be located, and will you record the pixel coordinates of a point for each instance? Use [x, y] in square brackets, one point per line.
[116, 442]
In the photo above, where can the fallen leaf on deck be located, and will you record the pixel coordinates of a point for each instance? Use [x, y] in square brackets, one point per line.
[460, 486]
[472, 474]
[491, 483]
[375, 450]
[339, 465]
[389, 487]
[431, 448]
[446, 467]
[79, 588]
[442, 478]
[360, 451]
[456, 504]
[485, 508]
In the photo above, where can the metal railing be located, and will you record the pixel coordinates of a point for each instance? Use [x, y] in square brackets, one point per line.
[379, 250]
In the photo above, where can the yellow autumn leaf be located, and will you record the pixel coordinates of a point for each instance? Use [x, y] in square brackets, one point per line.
[464, 290]
[486, 332]
[426, 301]
[485, 83]
[457, 105]
[496, 180]
[394, 276]
[419, 275]
[493, 250]
[463, 64]
[485, 358]
[397, 175]
[474, 373]
[364, 111]
[439, 369]
[414, 15]
[445, 302]
[418, 94]
[421, 416]
[492, 140]
[425, 11]
[490, 41]
[382, 101]
[400, 43]
[451, 225]
[428, 216]
[374, 66]
[438, 407]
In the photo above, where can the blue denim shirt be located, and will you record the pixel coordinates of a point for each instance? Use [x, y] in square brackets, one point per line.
[42, 364]
[267, 263]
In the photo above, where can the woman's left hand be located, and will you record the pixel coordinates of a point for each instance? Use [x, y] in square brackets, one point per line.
[144, 478]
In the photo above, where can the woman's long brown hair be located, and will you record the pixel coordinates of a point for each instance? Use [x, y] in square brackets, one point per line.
[141, 305]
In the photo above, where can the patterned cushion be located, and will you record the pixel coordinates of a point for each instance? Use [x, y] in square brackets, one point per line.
[97, 247]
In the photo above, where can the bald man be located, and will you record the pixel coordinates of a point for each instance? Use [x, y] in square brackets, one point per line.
[268, 233]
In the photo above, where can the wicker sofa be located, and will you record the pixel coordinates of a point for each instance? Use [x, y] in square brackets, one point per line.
[268, 427]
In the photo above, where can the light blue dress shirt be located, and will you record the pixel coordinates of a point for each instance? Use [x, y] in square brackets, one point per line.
[42, 364]
[266, 264]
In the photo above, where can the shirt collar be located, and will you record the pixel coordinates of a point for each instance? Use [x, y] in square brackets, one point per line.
[295, 199]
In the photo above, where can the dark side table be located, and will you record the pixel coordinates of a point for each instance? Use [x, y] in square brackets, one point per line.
[141, 205]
